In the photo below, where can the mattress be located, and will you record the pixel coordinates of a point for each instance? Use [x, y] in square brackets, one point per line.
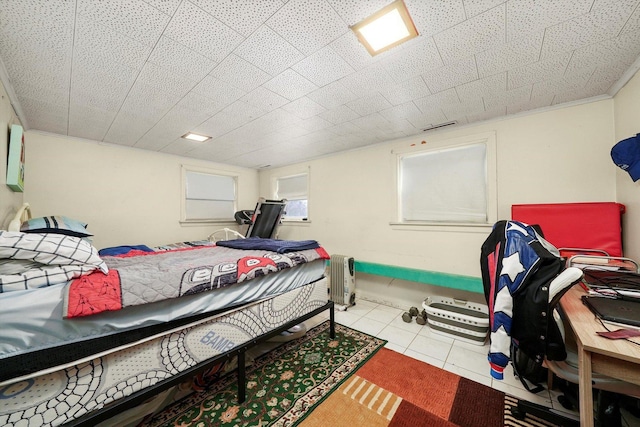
[55, 398]
[596, 225]
[32, 321]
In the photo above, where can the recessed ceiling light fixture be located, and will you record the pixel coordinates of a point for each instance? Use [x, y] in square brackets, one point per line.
[387, 28]
[195, 137]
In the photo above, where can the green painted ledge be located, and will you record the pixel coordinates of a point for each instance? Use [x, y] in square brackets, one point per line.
[465, 283]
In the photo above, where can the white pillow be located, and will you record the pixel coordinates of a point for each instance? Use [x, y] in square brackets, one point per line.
[17, 266]
[49, 249]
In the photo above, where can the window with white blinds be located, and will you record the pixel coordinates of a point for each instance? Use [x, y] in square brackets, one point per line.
[295, 189]
[448, 185]
[209, 197]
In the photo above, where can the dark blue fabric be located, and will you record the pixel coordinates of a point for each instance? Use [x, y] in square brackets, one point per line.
[120, 250]
[273, 245]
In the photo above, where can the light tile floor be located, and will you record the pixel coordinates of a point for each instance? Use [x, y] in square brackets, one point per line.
[420, 342]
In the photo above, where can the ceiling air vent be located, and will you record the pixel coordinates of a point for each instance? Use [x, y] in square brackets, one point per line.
[441, 125]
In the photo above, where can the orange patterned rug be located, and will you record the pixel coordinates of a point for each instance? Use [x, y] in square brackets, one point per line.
[351, 381]
[395, 390]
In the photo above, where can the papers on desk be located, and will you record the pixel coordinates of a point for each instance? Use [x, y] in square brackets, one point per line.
[613, 293]
[599, 267]
[615, 284]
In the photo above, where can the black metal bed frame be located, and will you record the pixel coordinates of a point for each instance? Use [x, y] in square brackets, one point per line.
[94, 417]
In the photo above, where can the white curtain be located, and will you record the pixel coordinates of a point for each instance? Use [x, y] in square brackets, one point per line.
[209, 196]
[445, 186]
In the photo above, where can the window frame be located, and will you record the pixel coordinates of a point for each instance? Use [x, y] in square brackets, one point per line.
[185, 169]
[489, 140]
[274, 192]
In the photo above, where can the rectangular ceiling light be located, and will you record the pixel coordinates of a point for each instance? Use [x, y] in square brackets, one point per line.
[195, 137]
[386, 28]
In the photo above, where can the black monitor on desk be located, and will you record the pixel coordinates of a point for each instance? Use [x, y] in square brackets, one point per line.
[266, 218]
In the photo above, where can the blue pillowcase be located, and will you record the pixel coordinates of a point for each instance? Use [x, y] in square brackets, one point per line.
[121, 250]
[55, 224]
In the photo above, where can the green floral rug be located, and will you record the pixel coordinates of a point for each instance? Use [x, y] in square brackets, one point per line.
[282, 386]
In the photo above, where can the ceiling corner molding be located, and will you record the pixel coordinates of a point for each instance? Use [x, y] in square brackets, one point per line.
[628, 75]
[13, 98]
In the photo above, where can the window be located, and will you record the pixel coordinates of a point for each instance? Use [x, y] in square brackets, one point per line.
[296, 191]
[208, 196]
[448, 184]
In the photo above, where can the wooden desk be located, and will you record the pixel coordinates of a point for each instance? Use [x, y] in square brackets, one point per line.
[615, 358]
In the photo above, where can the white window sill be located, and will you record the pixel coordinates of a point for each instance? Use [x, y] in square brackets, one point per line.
[201, 222]
[295, 222]
[435, 226]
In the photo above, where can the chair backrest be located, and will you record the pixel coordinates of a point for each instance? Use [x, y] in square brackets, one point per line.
[266, 218]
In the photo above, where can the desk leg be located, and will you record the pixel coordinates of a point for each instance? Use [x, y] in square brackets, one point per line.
[585, 387]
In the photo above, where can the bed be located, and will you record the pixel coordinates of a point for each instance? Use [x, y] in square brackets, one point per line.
[64, 365]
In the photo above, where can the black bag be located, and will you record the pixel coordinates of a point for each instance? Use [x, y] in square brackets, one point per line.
[527, 369]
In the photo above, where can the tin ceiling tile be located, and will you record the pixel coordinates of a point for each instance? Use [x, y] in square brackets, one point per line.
[180, 60]
[354, 11]
[354, 53]
[240, 73]
[332, 95]
[290, 84]
[148, 102]
[164, 80]
[369, 104]
[94, 40]
[476, 7]
[506, 98]
[244, 16]
[414, 88]
[242, 67]
[483, 87]
[304, 108]
[564, 84]
[450, 76]
[308, 24]
[201, 32]
[421, 57]
[434, 102]
[323, 67]
[531, 16]
[603, 22]
[314, 124]
[463, 109]
[407, 111]
[89, 123]
[268, 51]
[264, 99]
[370, 79]
[220, 94]
[533, 104]
[633, 24]
[134, 18]
[525, 50]
[547, 69]
[434, 17]
[482, 32]
[168, 7]
[339, 114]
[624, 48]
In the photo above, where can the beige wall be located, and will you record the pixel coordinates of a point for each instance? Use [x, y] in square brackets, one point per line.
[9, 200]
[555, 156]
[627, 124]
[127, 196]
